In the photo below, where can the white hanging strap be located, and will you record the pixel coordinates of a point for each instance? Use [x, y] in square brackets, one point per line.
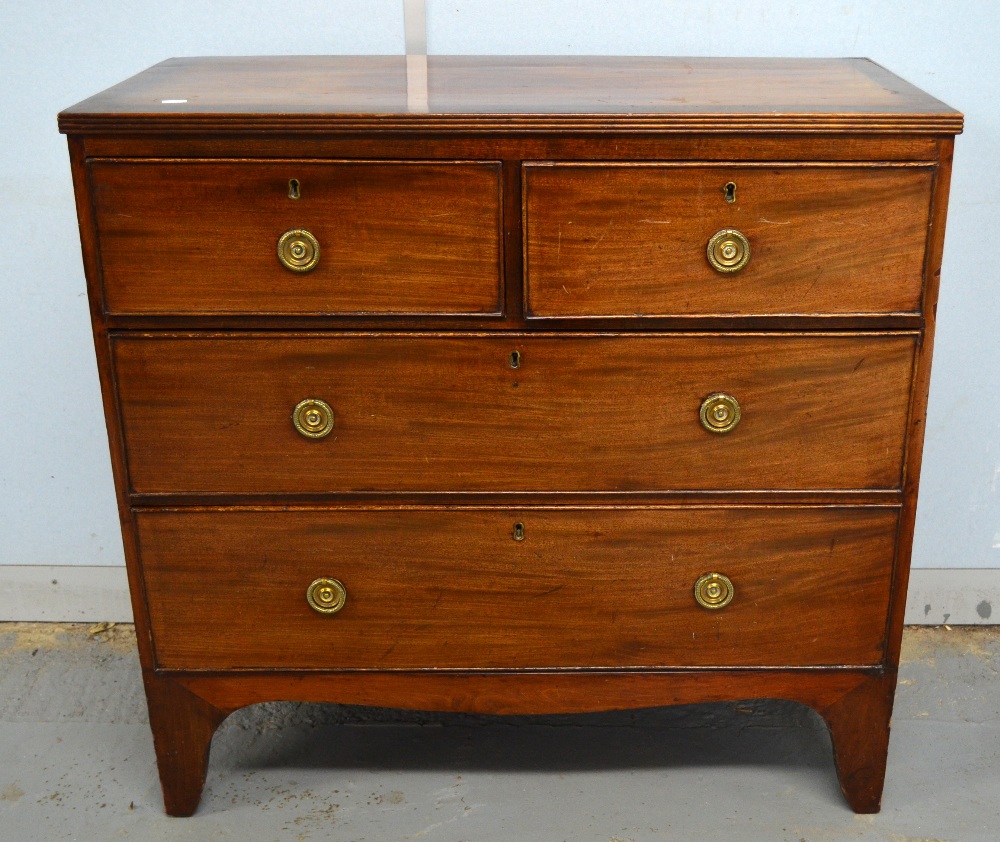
[415, 29]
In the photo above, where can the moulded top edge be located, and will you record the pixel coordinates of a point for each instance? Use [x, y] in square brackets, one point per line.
[306, 94]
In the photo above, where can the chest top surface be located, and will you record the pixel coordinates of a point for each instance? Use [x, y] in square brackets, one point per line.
[513, 93]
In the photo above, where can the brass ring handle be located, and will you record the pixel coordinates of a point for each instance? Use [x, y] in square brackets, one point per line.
[326, 596]
[714, 591]
[313, 418]
[719, 413]
[728, 251]
[298, 250]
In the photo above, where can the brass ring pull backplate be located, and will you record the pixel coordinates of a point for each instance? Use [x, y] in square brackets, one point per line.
[719, 413]
[327, 596]
[714, 591]
[298, 250]
[728, 251]
[313, 418]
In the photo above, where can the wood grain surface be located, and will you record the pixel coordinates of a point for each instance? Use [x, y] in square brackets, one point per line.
[201, 237]
[630, 240]
[856, 705]
[453, 589]
[448, 413]
[282, 94]
[528, 199]
[918, 399]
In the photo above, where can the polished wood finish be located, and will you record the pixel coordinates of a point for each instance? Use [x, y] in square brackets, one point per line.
[312, 94]
[860, 751]
[450, 238]
[725, 147]
[833, 693]
[579, 413]
[918, 401]
[526, 692]
[183, 724]
[452, 589]
[197, 237]
[629, 240]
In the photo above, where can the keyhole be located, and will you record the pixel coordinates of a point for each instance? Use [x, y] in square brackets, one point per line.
[729, 192]
[515, 359]
[518, 531]
[293, 188]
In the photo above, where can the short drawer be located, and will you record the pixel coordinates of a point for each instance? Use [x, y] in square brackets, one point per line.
[453, 589]
[201, 237]
[632, 239]
[450, 413]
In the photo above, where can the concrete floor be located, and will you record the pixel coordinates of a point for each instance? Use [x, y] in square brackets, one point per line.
[76, 762]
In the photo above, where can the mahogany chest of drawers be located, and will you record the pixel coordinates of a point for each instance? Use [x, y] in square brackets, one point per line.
[521, 385]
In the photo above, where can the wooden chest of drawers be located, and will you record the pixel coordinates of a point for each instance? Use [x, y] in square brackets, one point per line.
[526, 385]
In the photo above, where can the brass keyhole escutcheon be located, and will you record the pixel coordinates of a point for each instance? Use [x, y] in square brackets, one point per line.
[327, 596]
[714, 591]
[518, 533]
[313, 418]
[298, 250]
[719, 413]
[729, 192]
[728, 251]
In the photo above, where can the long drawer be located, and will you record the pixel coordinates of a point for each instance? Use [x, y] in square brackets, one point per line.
[632, 239]
[450, 413]
[201, 237]
[454, 589]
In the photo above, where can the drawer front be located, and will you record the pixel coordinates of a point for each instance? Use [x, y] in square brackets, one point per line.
[201, 237]
[631, 240]
[449, 413]
[453, 589]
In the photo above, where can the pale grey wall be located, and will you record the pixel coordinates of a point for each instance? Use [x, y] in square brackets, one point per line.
[56, 499]
[56, 493]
